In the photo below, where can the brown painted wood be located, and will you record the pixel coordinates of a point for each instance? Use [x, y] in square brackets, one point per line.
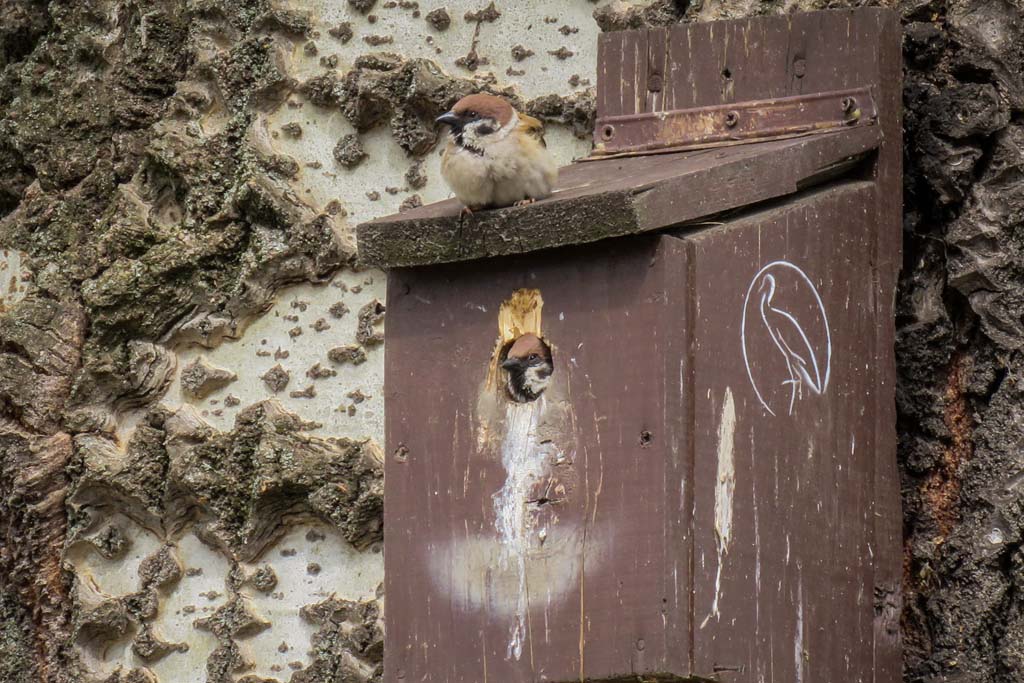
[607, 591]
[731, 62]
[658, 560]
[888, 252]
[611, 198]
[648, 352]
[750, 59]
[783, 588]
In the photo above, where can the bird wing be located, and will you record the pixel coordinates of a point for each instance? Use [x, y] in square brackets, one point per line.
[532, 127]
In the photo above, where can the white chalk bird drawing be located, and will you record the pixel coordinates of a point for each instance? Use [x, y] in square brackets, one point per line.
[806, 366]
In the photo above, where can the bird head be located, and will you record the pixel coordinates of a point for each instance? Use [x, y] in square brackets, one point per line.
[766, 288]
[529, 367]
[479, 119]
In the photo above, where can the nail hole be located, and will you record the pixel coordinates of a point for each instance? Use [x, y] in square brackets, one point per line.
[646, 438]
[726, 73]
[528, 364]
[401, 453]
[607, 132]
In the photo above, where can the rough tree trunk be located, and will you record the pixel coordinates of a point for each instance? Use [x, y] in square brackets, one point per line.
[171, 169]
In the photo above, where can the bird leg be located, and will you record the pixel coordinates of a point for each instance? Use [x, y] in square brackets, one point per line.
[525, 202]
[466, 212]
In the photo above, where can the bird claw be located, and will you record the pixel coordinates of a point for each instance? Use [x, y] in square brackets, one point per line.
[466, 212]
[525, 202]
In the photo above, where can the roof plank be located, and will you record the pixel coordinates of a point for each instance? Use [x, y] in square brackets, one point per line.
[613, 197]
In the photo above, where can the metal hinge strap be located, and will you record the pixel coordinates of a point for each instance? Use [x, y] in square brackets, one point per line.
[754, 120]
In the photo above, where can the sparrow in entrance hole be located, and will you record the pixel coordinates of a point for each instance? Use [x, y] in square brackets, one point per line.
[495, 155]
[529, 367]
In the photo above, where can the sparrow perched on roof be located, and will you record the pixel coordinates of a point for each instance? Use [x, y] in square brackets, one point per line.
[529, 367]
[495, 155]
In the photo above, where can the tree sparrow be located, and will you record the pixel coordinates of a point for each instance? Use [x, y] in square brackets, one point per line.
[529, 367]
[495, 156]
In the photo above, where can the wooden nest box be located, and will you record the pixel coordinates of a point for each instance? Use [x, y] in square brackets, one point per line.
[706, 488]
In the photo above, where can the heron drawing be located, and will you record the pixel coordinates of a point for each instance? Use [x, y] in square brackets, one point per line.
[803, 363]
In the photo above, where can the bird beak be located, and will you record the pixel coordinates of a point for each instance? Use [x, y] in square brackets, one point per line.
[510, 364]
[450, 119]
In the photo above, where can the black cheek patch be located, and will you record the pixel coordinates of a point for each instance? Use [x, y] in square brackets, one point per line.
[484, 129]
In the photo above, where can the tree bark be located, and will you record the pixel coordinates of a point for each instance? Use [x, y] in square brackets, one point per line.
[138, 182]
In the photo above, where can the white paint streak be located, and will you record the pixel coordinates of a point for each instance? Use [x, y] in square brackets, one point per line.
[798, 639]
[725, 486]
[524, 466]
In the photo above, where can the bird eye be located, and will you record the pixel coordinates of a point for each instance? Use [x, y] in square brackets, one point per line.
[533, 357]
[471, 114]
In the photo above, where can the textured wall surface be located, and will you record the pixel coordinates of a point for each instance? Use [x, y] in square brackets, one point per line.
[191, 367]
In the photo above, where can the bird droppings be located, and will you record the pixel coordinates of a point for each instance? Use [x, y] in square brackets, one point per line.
[292, 130]
[567, 30]
[276, 378]
[352, 354]
[329, 62]
[320, 325]
[313, 568]
[349, 152]
[561, 53]
[373, 195]
[199, 379]
[295, 332]
[520, 52]
[338, 309]
[342, 32]
[439, 19]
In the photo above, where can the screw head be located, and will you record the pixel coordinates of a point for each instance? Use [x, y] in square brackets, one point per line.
[607, 132]
[799, 67]
[655, 82]
[731, 119]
